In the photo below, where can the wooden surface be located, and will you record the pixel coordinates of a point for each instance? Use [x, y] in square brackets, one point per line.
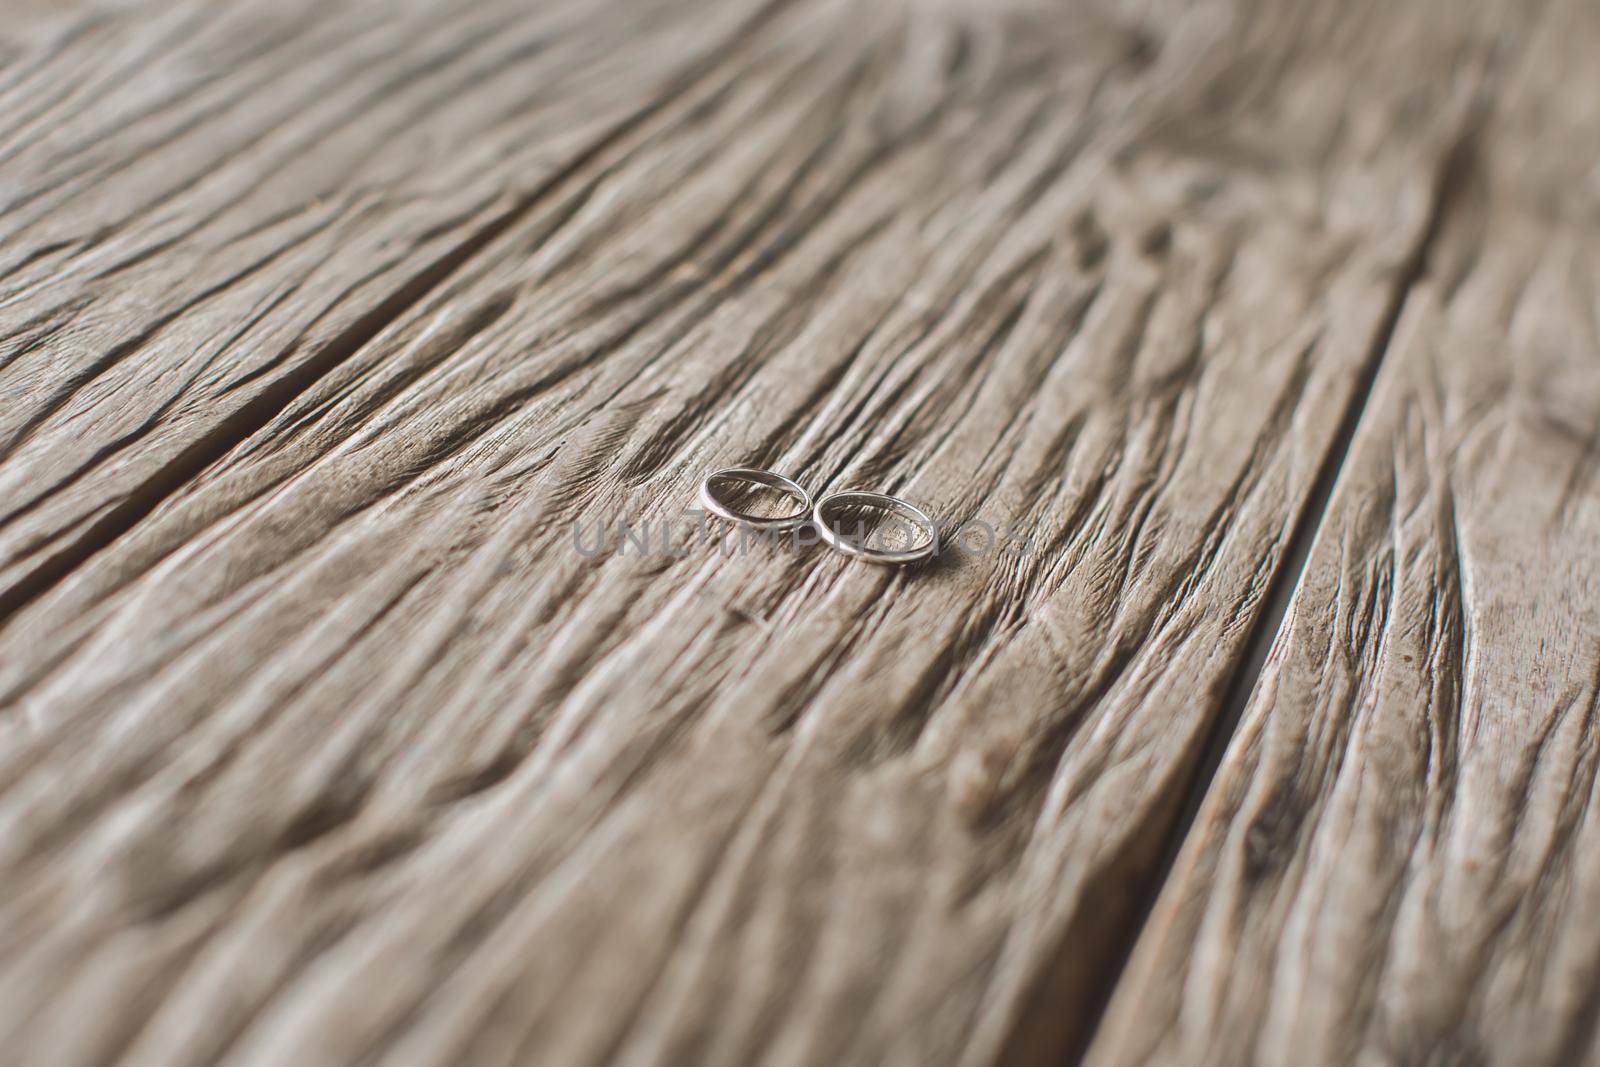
[1272, 324]
[1399, 859]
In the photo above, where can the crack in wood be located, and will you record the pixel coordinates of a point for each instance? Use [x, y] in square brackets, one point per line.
[1287, 571]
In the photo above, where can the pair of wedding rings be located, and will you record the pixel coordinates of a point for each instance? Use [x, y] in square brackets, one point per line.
[825, 515]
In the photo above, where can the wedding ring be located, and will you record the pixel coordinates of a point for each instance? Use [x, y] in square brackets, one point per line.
[856, 546]
[729, 475]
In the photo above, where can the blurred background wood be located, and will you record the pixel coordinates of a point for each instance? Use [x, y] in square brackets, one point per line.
[322, 325]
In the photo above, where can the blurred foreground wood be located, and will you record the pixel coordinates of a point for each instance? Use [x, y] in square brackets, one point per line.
[326, 736]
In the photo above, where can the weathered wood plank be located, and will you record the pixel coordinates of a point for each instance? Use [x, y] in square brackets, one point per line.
[207, 207]
[348, 753]
[1399, 860]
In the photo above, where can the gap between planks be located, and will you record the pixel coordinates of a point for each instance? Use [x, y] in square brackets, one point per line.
[1287, 575]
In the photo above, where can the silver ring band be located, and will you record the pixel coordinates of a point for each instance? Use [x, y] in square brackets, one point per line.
[842, 543]
[722, 509]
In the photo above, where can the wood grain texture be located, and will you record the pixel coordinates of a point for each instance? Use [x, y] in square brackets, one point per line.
[332, 748]
[1399, 860]
[208, 205]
